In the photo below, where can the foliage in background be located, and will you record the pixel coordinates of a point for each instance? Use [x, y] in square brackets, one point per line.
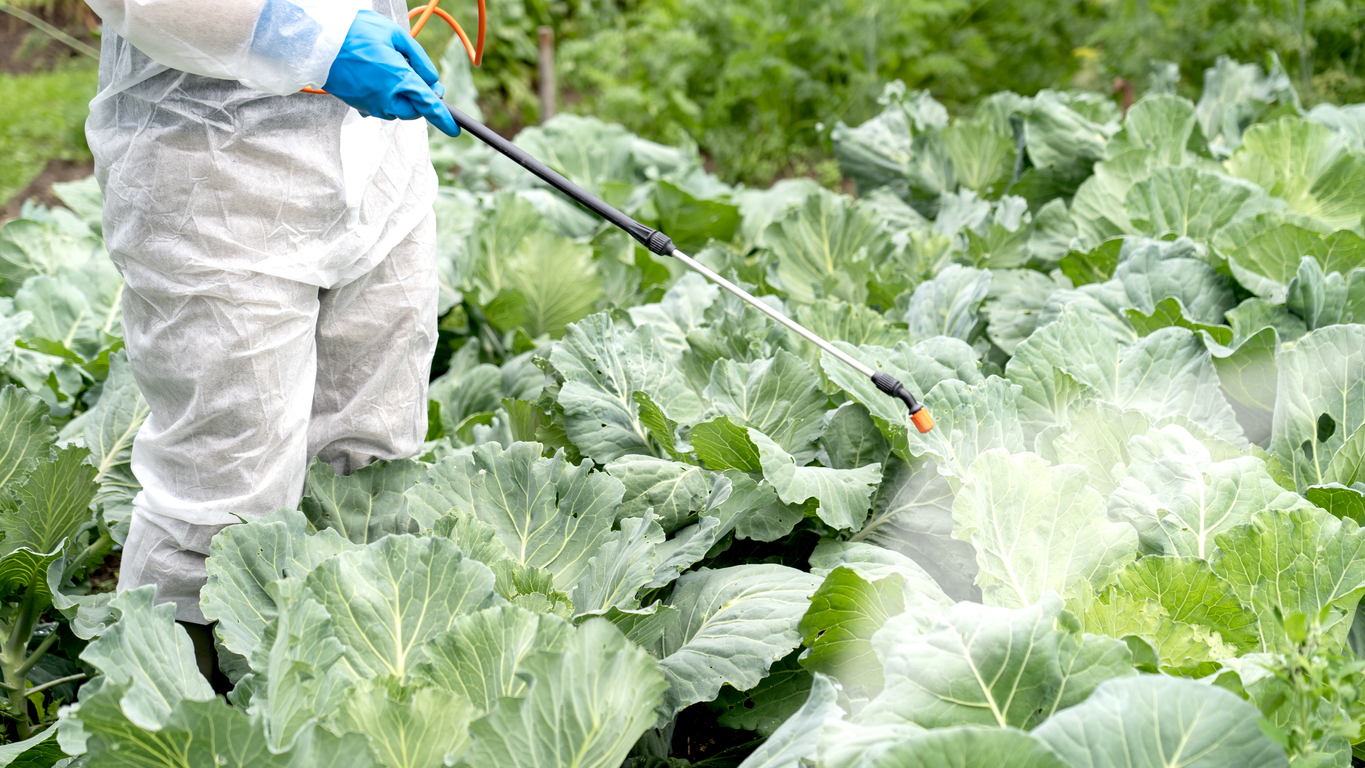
[44, 120]
[759, 83]
[648, 517]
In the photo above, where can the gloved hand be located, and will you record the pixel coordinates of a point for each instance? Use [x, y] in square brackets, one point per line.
[383, 72]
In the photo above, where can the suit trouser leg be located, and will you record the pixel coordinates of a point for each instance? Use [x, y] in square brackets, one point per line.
[247, 376]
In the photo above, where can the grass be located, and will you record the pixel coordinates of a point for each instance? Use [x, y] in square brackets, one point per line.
[42, 119]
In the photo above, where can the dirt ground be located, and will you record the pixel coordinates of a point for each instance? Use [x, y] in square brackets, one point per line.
[41, 187]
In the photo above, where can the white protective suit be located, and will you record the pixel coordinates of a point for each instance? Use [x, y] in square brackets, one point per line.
[278, 252]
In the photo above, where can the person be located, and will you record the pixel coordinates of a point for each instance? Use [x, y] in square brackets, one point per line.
[277, 249]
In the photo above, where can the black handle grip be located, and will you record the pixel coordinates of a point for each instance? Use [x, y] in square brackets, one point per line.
[652, 239]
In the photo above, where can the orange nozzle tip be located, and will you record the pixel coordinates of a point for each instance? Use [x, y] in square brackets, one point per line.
[922, 420]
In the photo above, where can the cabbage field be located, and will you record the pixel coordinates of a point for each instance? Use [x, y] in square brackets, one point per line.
[652, 528]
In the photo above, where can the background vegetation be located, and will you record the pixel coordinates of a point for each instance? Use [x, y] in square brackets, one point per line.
[759, 84]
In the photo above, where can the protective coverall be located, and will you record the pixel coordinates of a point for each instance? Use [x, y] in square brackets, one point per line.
[277, 248]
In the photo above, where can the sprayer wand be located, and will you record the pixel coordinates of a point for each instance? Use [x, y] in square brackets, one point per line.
[659, 243]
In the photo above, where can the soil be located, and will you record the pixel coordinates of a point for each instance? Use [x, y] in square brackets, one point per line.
[105, 577]
[41, 187]
[698, 738]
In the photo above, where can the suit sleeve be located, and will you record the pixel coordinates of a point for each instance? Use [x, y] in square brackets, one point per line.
[276, 46]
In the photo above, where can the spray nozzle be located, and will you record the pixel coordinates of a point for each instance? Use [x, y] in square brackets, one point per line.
[919, 415]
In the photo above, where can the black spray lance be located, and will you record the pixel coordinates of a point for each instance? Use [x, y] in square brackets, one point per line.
[659, 243]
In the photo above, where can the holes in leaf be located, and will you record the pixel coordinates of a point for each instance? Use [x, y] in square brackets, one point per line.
[1327, 426]
[1307, 449]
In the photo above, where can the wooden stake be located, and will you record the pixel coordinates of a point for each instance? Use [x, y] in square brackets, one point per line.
[547, 73]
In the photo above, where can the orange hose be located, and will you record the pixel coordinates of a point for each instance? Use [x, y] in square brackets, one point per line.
[424, 13]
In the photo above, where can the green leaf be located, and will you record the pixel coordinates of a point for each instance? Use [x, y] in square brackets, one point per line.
[691, 221]
[1153, 720]
[26, 435]
[204, 733]
[1096, 436]
[1099, 207]
[1037, 529]
[778, 397]
[991, 666]
[872, 563]
[736, 332]
[150, 658]
[675, 491]
[1320, 299]
[586, 708]
[844, 613]
[1014, 302]
[734, 498]
[1003, 240]
[529, 587]
[1093, 266]
[29, 248]
[603, 368]
[799, 737]
[681, 311]
[109, 432]
[1179, 498]
[548, 513]
[1149, 276]
[735, 623]
[1295, 561]
[720, 444]
[897, 148]
[969, 745]
[825, 249]
[1321, 400]
[1166, 374]
[663, 429]
[1339, 500]
[643, 626]
[390, 598]
[914, 514]
[619, 568]
[983, 159]
[409, 728]
[969, 422]
[948, 304]
[852, 440]
[244, 560]
[1162, 123]
[1272, 257]
[480, 656]
[62, 316]
[25, 571]
[844, 495]
[1348, 463]
[52, 504]
[766, 706]
[298, 674]
[920, 368]
[1235, 96]
[1307, 165]
[856, 324]
[1189, 591]
[364, 506]
[1060, 138]
[1189, 202]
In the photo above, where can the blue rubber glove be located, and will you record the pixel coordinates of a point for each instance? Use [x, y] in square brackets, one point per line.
[383, 72]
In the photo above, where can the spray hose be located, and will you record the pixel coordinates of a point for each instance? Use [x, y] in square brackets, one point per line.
[657, 242]
[419, 17]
